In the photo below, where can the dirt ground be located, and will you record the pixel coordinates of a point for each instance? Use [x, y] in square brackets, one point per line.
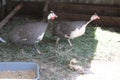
[99, 71]
[21, 74]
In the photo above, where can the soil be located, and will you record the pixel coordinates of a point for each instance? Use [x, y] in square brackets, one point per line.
[99, 70]
[26, 74]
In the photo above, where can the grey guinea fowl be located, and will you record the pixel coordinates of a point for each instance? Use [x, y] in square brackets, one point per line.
[30, 33]
[71, 30]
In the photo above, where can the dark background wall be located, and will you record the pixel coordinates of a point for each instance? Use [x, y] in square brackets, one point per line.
[108, 10]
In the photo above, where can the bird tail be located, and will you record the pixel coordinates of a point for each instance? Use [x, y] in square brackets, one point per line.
[2, 40]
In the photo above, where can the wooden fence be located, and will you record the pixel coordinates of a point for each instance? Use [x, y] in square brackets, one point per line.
[74, 10]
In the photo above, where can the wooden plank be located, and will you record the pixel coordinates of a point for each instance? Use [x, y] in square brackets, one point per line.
[31, 8]
[74, 11]
[86, 9]
[108, 2]
[110, 15]
[104, 20]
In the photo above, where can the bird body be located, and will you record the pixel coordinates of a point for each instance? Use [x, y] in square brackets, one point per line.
[76, 33]
[29, 33]
[72, 29]
[65, 28]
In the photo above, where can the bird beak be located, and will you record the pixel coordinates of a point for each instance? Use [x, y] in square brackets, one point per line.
[98, 17]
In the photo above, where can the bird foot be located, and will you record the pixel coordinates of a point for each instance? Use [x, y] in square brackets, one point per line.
[70, 43]
[38, 51]
[57, 40]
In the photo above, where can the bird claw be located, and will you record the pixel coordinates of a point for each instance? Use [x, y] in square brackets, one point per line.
[38, 51]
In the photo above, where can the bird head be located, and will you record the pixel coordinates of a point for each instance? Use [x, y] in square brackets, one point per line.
[94, 17]
[51, 16]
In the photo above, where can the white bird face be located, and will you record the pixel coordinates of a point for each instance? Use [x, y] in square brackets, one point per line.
[94, 17]
[51, 16]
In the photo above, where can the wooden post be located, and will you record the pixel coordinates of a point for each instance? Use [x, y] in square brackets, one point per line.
[8, 6]
[2, 10]
[12, 13]
[45, 9]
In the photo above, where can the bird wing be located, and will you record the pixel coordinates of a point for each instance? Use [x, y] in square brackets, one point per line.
[57, 31]
[68, 27]
[28, 32]
[33, 31]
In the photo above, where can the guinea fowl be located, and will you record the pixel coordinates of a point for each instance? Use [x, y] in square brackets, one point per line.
[30, 33]
[71, 30]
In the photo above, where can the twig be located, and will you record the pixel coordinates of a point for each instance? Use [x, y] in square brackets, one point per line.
[6, 19]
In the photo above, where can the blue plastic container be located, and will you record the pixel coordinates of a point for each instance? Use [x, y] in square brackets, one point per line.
[14, 66]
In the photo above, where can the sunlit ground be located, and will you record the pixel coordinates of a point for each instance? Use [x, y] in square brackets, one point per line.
[106, 63]
[102, 71]
[108, 46]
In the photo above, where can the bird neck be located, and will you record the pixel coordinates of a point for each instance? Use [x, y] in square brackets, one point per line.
[51, 22]
[87, 23]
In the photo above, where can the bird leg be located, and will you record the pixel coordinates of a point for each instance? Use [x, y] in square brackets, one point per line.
[69, 42]
[57, 40]
[38, 51]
